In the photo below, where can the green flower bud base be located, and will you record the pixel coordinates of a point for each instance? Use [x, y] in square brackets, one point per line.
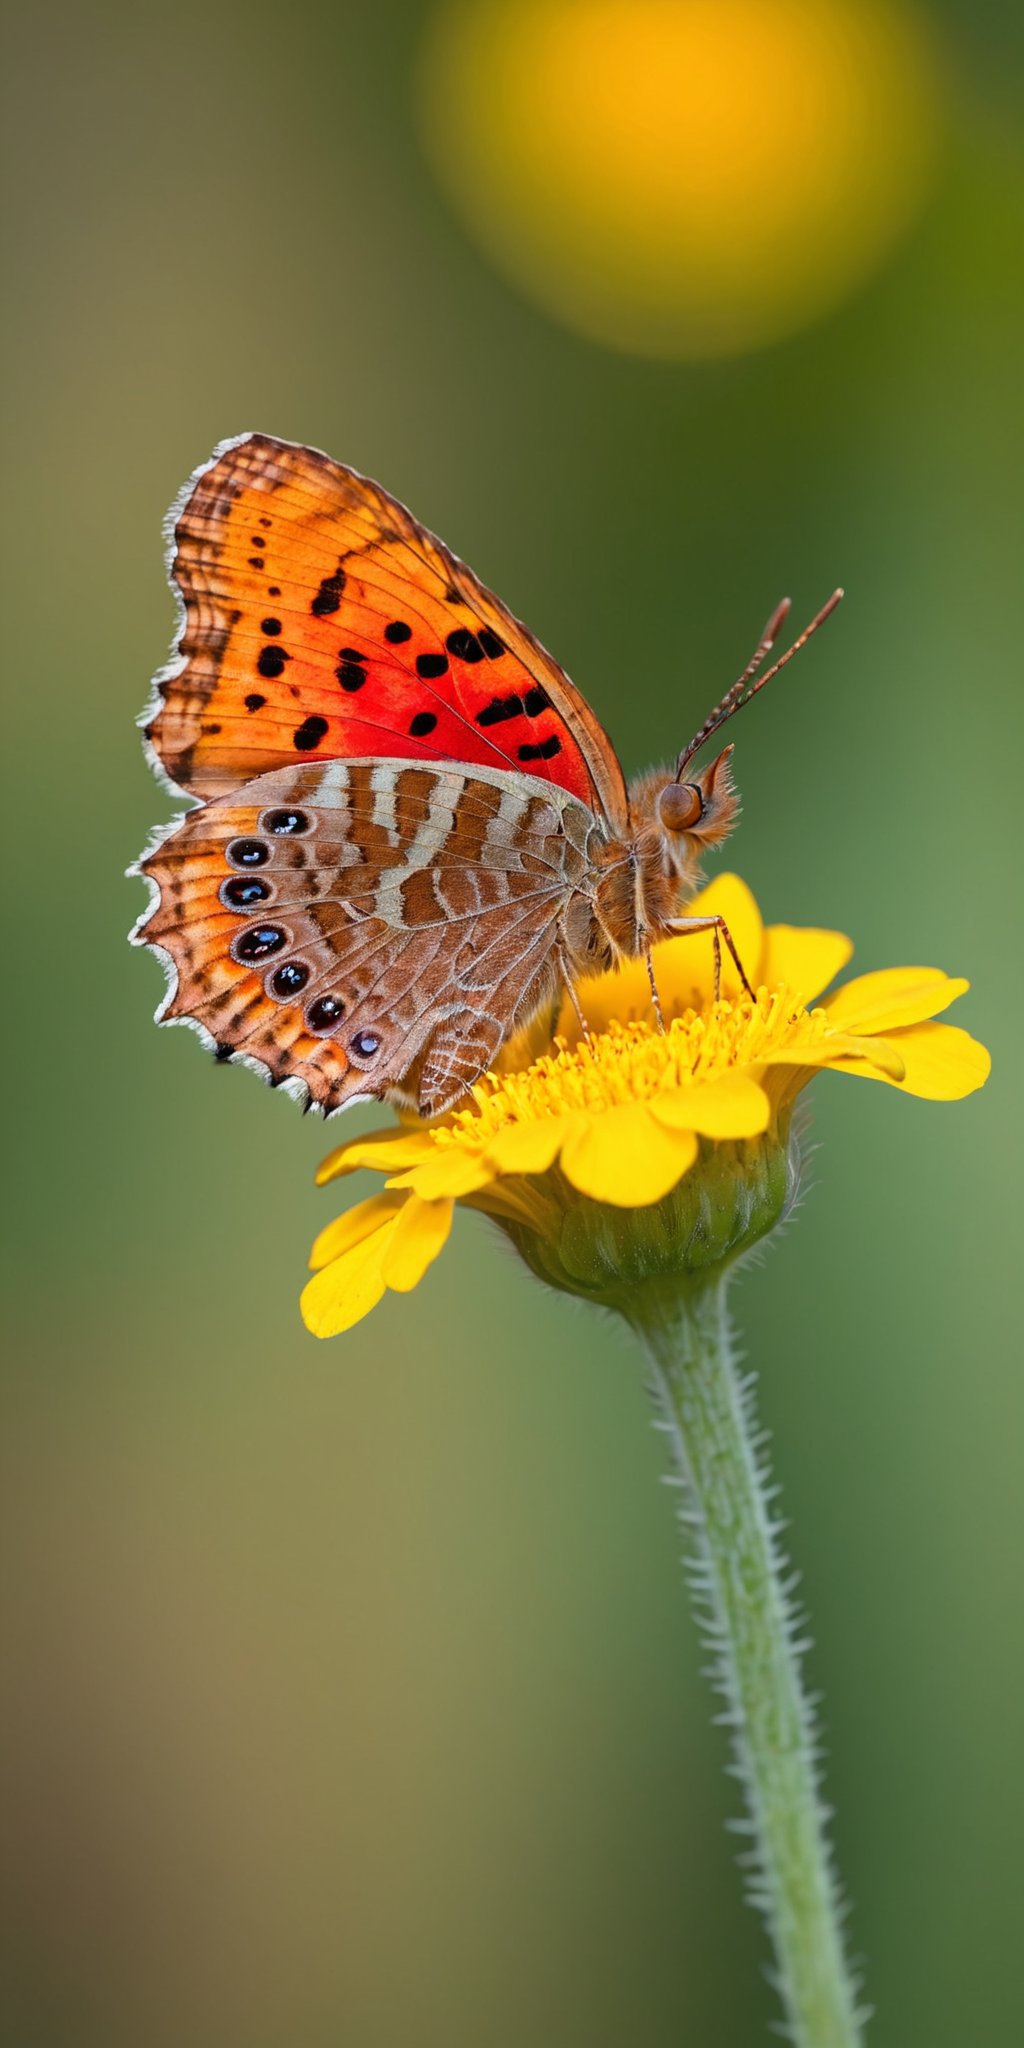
[733, 1195]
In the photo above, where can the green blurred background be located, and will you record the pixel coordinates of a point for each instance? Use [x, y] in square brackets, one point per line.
[351, 1694]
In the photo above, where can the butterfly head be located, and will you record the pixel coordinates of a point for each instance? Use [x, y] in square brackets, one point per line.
[687, 817]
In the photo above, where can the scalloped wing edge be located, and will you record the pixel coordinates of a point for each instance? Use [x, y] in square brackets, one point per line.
[168, 672]
[291, 1085]
[176, 662]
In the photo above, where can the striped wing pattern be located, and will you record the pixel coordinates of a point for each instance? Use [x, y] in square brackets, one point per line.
[369, 927]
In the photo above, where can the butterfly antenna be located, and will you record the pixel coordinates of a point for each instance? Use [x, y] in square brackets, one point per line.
[745, 687]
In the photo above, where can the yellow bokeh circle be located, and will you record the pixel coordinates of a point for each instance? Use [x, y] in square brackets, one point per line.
[682, 178]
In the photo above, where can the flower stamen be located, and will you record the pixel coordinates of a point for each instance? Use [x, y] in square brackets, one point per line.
[629, 1063]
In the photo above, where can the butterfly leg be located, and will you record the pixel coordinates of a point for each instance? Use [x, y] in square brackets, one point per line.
[566, 974]
[655, 997]
[719, 930]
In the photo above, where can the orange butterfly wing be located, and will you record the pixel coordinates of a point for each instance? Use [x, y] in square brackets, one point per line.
[321, 621]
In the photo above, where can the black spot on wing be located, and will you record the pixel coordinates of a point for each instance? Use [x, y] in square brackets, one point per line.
[310, 734]
[464, 645]
[544, 750]
[499, 709]
[351, 674]
[328, 597]
[272, 661]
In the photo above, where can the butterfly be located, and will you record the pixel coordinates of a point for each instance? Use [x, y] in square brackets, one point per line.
[410, 828]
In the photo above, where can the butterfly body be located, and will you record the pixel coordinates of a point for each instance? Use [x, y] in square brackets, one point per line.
[411, 830]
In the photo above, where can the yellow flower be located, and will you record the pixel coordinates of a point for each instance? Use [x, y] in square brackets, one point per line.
[636, 1152]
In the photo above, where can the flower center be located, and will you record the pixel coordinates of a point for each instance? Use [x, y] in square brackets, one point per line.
[631, 1062]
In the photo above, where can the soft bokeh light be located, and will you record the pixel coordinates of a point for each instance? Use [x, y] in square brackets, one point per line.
[682, 178]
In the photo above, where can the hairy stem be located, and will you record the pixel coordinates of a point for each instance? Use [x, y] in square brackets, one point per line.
[745, 1606]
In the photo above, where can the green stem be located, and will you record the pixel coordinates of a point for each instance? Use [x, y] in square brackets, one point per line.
[745, 1605]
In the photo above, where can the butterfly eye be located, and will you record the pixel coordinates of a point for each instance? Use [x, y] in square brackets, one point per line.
[680, 806]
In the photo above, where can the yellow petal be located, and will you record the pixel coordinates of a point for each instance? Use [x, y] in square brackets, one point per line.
[891, 998]
[940, 1062]
[624, 1157]
[420, 1233]
[731, 1106]
[385, 1150]
[528, 1147]
[346, 1290]
[836, 1050]
[447, 1170]
[802, 957]
[356, 1224]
